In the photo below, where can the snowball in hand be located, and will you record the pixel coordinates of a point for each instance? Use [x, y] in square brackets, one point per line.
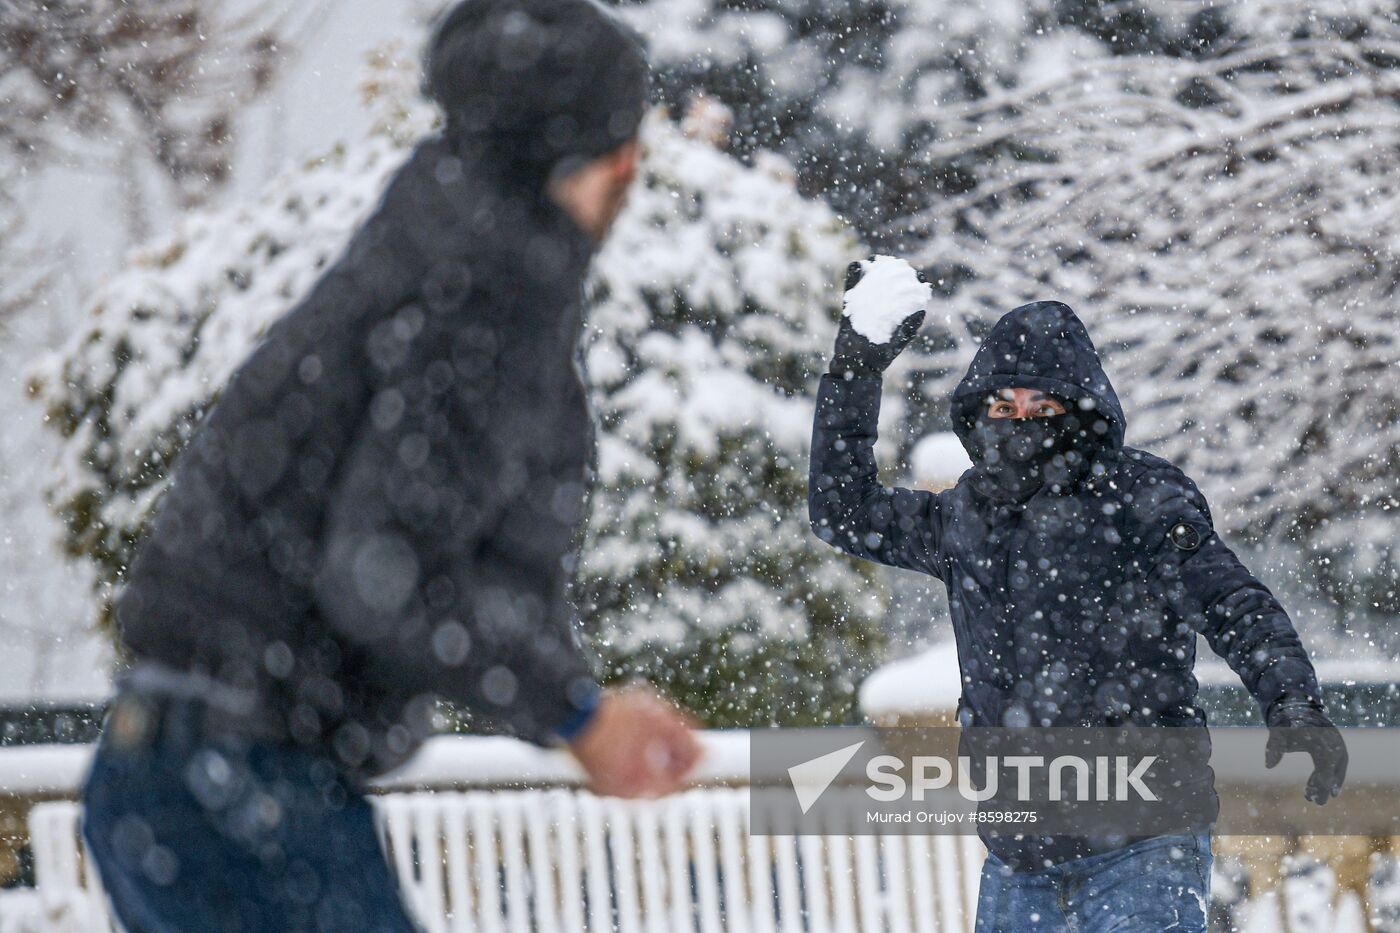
[889, 291]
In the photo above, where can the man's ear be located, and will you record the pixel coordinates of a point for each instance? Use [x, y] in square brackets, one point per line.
[626, 160]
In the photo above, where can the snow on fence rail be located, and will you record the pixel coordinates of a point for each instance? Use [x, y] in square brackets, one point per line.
[445, 761]
[527, 850]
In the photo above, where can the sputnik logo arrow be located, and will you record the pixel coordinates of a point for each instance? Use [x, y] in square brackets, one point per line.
[811, 778]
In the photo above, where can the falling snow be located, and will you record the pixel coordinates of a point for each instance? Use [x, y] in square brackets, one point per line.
[1211, 186]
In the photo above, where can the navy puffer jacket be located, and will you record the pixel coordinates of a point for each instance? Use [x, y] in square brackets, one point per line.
[1081, 604]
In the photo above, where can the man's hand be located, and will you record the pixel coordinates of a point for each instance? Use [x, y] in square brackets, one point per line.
[636, 745]
[858, 356]
[1303, 726]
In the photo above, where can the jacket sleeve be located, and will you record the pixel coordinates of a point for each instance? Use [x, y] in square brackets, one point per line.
[1205, 584]
[848, 507]
[445, 552]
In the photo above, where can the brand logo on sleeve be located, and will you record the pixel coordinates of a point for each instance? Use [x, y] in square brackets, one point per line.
[1184, 537]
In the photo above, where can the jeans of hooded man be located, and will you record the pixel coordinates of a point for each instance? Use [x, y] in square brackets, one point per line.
[220, 834]
[1152, 885]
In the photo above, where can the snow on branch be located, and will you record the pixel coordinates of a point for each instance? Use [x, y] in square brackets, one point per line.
[170, 74]
[1227, 227]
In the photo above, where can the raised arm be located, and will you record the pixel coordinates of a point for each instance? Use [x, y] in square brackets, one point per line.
[848, 507]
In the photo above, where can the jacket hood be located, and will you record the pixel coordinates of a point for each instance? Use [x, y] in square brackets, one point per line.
[1042, 345]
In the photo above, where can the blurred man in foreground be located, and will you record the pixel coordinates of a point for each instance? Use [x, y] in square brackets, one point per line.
[380, 511]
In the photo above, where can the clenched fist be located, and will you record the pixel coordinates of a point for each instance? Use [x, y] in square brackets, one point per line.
[1303, 726]
[636, 744]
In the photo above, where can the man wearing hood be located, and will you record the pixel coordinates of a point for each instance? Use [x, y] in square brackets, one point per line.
[1079, 572]
[380, 512]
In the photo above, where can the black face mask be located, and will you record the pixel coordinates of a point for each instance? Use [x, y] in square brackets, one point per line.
[1015, 457]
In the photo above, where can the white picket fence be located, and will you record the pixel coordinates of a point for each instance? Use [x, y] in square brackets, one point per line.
[559, 858]
[517, 861]
[475, 850]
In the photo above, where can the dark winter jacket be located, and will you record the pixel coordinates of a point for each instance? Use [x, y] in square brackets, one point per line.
[381, 508]
[1081, 604]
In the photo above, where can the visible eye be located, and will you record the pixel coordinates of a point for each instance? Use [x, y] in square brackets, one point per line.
[1002, 410]
[1046, 411]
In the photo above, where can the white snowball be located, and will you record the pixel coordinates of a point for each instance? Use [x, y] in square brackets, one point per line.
[888, 292]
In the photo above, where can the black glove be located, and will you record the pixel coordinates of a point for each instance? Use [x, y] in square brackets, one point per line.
[858, 356]
[1303, 726]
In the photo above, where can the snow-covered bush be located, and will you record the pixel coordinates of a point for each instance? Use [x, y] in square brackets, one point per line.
[1227, 227]
[715, 299]
[713, 305]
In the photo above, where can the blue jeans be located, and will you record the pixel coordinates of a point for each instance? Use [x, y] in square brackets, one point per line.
[218, 835]
[1153, 885]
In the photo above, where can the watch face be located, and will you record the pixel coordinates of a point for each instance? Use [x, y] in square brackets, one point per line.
[1185, 537]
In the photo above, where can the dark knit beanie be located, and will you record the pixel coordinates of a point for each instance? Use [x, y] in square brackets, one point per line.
[550, 82]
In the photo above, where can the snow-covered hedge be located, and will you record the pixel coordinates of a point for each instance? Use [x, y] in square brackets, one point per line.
[714, 310]
[713, 306]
